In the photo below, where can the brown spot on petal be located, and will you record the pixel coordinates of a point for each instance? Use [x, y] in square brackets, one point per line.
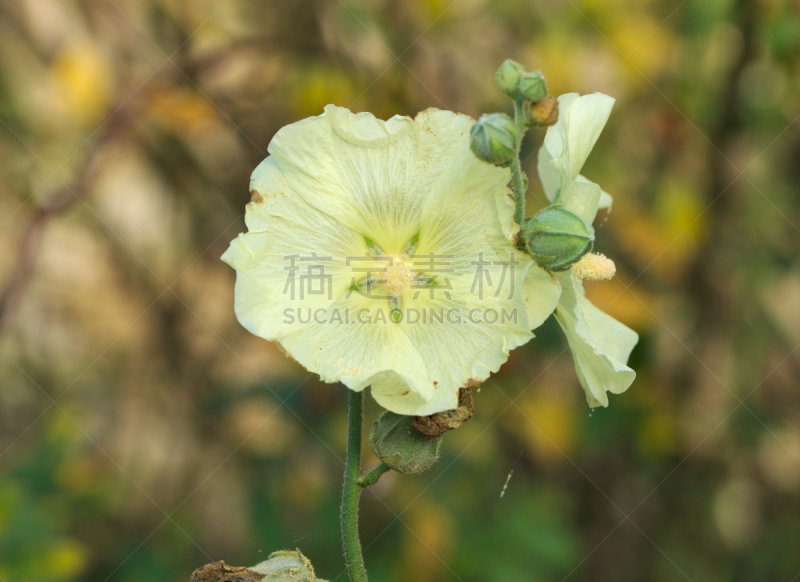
[436, 425]
[257, 197]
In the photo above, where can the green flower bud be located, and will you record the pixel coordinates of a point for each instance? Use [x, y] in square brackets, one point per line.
[287, 567]
[494, 139]
[557, 237]
[507, 77]
[532, 86]
[397, 443]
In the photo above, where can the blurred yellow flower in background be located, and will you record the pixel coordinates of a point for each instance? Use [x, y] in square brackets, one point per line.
[83, 83]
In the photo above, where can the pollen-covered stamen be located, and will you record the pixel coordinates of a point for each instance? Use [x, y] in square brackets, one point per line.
[594, 267]
[397, 277]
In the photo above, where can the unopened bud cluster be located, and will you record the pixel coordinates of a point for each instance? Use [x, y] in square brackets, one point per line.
[517, 83]
[496, 138]
[530, 89]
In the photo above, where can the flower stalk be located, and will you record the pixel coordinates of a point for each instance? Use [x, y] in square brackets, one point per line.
[351, 491]
[518, 186]
[519, 181]
[371, 477]
[498, 142]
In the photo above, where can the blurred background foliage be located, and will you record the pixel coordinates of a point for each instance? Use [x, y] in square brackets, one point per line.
[143, 432]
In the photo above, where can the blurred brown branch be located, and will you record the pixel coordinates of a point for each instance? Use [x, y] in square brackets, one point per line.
[115, 128]
[56, 204]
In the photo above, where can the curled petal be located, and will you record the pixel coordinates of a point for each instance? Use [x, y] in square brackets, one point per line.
[580, 121]
[605, 198]
[566, 146]
[599, 343]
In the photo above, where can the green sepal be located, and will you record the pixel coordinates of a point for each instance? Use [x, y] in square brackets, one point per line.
[403, 448]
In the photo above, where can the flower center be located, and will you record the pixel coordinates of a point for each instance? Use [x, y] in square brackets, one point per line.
[397, 277]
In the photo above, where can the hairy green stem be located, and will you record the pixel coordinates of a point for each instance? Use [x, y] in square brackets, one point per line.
[351, 491]
[371, 477]
[517, 177]
[518, 185]
[519, 113]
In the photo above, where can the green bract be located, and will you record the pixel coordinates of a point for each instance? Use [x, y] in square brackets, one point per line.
[397, 443]
[495, 138]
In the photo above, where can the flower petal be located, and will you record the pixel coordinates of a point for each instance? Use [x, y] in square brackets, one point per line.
[375, 176]
[566, 146]
[580, 121]
[582, 197]
[606, 201]
[359, 347]
[605, 198]
[392, 392]
[467, 337]
[540, 293]
[476, 313]
[550, 173]
[282, 225]
[599, 343]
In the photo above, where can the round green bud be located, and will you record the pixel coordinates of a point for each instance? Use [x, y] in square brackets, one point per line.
[557, 237]
[507, 77]
[403, 448]
[494, 139]
[532, 86]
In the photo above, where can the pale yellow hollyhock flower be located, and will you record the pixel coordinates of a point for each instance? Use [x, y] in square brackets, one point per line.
[402, 219]
[600, 344]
